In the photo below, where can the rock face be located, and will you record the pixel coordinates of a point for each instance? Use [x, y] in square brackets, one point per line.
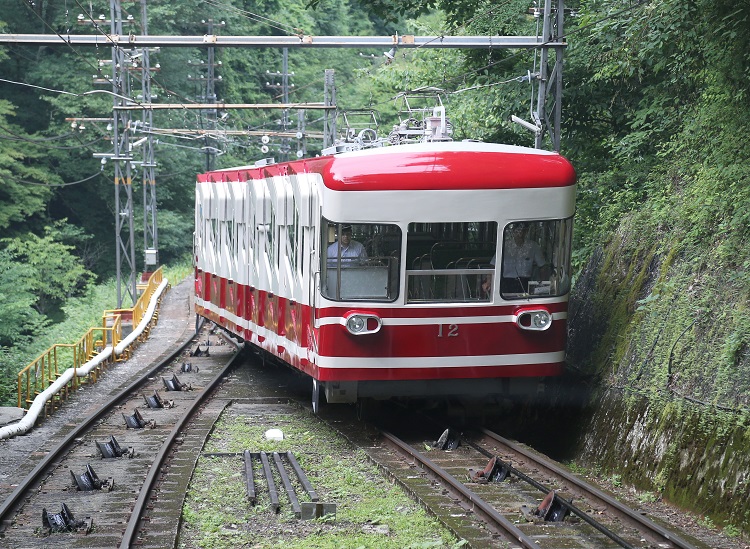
[669, 412]
[695, 457]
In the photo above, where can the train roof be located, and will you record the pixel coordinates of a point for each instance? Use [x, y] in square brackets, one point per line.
[441, 165]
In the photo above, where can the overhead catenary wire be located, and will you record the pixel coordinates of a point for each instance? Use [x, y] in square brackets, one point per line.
[564, 36]
[52, 185]
[290, 30]
[10, 136]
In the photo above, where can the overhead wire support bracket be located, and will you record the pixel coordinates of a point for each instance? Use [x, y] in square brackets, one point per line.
[386, 42]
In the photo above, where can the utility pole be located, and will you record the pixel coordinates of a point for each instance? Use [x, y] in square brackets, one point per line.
[150, 230]
[208, 94]
[549, 97]
[124, 234]
[301, 134]
[329, 99]
[284, 87]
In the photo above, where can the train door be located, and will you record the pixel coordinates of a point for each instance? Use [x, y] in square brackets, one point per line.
[312, 264]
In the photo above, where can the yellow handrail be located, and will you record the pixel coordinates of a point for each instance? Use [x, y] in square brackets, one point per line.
[136, 313]
[45, 369]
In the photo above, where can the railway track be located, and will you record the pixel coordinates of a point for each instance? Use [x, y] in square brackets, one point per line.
[143, 495]
[494, 493]
[491, 444]
[99, 486]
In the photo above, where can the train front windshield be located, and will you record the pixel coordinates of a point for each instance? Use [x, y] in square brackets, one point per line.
[457, 262]
[536, 259]
[361, 262]
[446, 262]
[450, 262]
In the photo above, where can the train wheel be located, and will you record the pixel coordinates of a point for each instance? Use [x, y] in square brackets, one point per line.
[316, 396]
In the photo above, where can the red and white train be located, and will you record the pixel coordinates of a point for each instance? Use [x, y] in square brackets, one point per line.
[451, 278]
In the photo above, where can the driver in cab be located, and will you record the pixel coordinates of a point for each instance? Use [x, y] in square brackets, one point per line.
[349, 250]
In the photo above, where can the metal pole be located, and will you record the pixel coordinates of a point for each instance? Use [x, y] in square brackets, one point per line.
[329, 122]
[124, 233]
[150, 232]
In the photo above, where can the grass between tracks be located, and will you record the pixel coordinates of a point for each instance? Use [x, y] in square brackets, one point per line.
[370, 510]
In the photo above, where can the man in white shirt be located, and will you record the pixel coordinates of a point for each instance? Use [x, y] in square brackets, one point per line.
[520, 257]
[346, 248]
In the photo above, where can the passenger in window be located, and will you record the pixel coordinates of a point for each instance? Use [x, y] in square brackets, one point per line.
[347, 248]
[522, 258]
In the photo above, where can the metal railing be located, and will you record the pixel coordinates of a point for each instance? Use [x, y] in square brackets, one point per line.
[49, 366]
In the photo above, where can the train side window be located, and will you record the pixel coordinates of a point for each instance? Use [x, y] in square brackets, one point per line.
[450, 262]
[536, 259]
[292, 240]
[360, 262]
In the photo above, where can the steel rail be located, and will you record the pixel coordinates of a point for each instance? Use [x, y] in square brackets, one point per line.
[481, 506]
[128, 537]
[11, 502]
[594, 492]
[568, 504]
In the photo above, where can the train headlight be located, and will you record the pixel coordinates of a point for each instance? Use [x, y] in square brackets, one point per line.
[362, 323]
[356, 324]
[536, 320]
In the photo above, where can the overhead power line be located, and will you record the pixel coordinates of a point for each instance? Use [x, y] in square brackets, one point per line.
[51, 185]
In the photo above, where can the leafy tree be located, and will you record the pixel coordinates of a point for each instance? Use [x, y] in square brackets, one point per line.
[55, 273]
[175, 237]
[17, 300]
[386, 10]
[23, 193]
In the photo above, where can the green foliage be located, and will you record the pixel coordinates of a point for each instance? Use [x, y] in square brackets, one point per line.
[55, 273]
[18, 202]
[175, 236]
[387, 10]
[17, 297]
[80, 314]
[178, 271]
[648, 497]
[11, 361]
[731, 531]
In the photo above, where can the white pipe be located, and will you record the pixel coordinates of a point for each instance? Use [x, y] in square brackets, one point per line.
[37, 407]
[137, 331]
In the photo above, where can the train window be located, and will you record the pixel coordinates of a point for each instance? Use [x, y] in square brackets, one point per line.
[291, 232]
[450, 262]
[536, 259]
[360, 262]
[270, 238]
